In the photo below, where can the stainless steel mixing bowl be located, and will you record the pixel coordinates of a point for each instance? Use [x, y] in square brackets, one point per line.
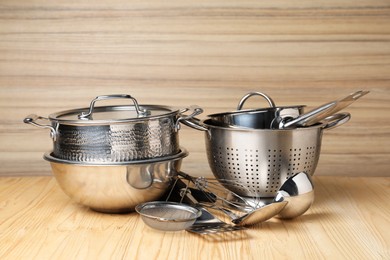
[116, 187]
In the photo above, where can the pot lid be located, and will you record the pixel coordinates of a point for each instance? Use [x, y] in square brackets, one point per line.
[110, 114]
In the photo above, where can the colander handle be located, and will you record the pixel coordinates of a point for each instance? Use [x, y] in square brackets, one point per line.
[335, 120]
[250, 94]
[195, 123]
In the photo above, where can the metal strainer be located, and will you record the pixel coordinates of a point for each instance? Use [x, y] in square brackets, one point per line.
[168, 216]
[263, 159]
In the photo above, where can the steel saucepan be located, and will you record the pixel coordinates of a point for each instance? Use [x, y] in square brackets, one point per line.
[114, 133]
[261, 118]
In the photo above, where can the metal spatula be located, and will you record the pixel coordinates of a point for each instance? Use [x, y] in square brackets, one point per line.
[207, 223]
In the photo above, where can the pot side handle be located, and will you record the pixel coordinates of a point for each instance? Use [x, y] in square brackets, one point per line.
[335, 120]
[186, 119]
[32, 120]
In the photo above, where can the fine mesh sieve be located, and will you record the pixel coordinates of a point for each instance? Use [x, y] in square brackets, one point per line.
[168, 216]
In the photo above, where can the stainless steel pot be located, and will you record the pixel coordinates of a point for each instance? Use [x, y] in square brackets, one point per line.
[116, 187]
[114, 133]
[263, 159]
[261, 118]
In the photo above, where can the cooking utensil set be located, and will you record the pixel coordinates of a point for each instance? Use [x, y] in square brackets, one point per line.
[123, 158]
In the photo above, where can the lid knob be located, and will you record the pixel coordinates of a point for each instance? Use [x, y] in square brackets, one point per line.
[88, 115]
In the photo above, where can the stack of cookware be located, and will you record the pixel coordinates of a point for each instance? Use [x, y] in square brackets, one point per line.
[111, 158]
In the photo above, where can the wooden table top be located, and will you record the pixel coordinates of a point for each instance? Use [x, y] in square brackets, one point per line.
[350, 219]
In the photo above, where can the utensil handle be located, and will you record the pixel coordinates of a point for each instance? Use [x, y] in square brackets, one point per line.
[201, 196]
[250, 94]
[320, 113]
[88, 115]
[313, 114]
[354, 96]
[336, 120]
[32, 120]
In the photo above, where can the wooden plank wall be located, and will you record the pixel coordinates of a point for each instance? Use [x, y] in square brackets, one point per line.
[57, 55]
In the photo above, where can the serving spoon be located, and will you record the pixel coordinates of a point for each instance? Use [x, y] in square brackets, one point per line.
[298, 191]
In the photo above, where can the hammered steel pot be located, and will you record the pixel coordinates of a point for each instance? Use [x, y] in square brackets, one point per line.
[114, 133]
[116, 187]
[263, 159]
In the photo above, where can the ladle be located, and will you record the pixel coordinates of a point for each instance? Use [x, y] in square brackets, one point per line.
[261, 214]
[254, 216]
[298, 191]
[293, 199]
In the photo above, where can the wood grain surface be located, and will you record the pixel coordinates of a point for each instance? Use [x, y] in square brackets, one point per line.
[350, 219]
[57, 55]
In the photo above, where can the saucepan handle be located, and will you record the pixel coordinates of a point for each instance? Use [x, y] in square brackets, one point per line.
[250, 94]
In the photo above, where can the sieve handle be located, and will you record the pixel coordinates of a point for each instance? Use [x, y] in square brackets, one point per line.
[88, 115]
[250, 94]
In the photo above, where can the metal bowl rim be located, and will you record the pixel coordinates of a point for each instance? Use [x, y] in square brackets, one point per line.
[253, 111]
[153, 204]
[209, 125]
[48, 156]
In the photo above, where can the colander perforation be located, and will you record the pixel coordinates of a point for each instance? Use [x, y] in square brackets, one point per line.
[262, 170]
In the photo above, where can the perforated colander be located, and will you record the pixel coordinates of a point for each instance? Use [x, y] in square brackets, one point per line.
[263, 170]
[263, 159]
